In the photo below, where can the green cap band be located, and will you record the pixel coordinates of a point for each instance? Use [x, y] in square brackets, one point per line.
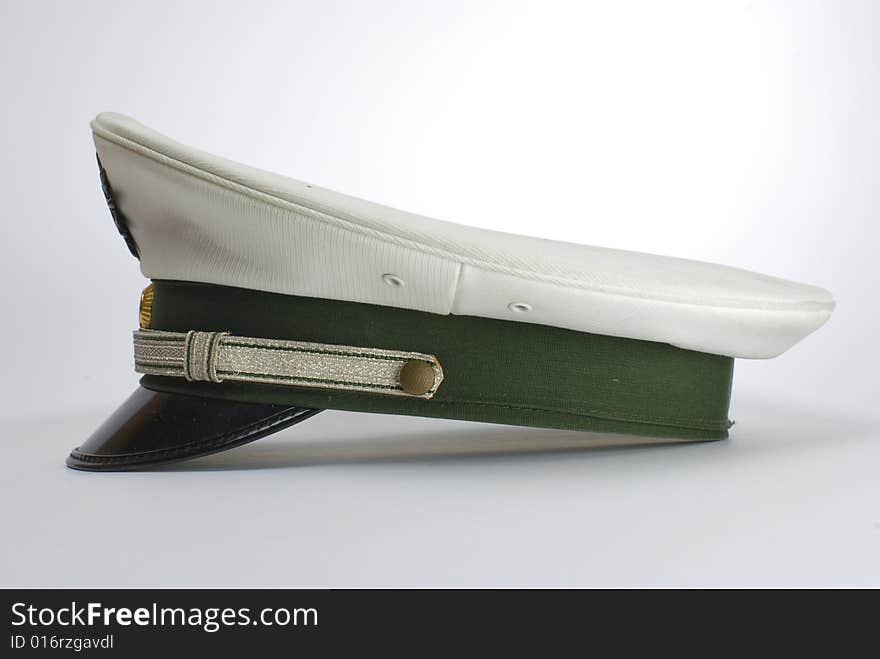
[494, 370]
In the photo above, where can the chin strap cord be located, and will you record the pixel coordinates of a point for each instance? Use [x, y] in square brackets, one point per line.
[219, 356]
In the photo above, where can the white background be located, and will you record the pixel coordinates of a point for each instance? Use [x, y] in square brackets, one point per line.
[746, 133]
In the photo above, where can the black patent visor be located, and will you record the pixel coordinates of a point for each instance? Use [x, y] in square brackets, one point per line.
[153, 428]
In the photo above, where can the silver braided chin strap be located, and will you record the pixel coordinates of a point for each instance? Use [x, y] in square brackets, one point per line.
[219, 356]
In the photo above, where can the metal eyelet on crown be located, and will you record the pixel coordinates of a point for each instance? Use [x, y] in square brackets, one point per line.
[393, 280]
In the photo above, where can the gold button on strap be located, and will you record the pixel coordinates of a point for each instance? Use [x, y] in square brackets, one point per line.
[417, 377]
